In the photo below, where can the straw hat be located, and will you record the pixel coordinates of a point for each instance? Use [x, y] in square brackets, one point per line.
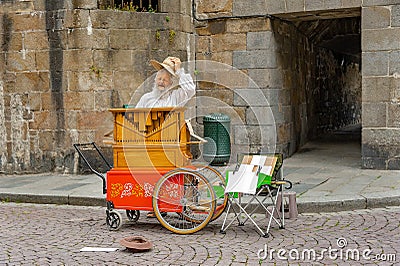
[167, 64]
[136, 243]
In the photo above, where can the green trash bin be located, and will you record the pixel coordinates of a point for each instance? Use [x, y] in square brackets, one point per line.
[217, 149]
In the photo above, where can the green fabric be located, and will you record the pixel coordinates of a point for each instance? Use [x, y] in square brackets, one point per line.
[263, 179]
[219, 191]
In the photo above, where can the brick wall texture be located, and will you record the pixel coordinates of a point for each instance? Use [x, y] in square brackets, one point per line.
[63, 64]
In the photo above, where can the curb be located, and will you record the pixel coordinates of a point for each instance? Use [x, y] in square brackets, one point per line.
[53, 199]
[302, 207]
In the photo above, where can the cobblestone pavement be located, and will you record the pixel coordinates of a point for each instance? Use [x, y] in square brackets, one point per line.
[53, 235]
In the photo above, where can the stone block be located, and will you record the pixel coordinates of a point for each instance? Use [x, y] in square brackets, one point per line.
[42, 61]
[218, 95]
[258, 115]
[43, 120]
[221, 57]
[34, 102]
[393, 164]
[381, 136]
[248, 25]
[284, 133]
[32, 82]
[395, 21]
[170, 6]
[250, 97]
[102, 100]
[279, 6]
[84, 4]
[21, 61]
[28, 21]
[254, 59]
[375, 17]
[394, 62]
[47, 140]
[82, 100]
[232, 79]
[266, 78]
[351, 3]
[37, 40]
[106, 19]
[374, 114]
[246, 8]
[279, 114]
[375, 63]
[376, 89]
[393, 113]
[130, 38]
[127, 81]
[262, 40]
[395, 90]
[89, 81]
[376, 163]
[294, 5]
[58, 39]
[310, 5]
[13, 42]
[379, 2]
[89, 119]
[47, 101]
[103, 59]
[228, 42]
[122, 60]
[380, 39]
[211, 6]
[78, 18]
[216, 27]
[82, 38]
[77, 60]
[187, 24]
[251, 135]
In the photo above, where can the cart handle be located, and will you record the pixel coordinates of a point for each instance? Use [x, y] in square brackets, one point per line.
[76, 146]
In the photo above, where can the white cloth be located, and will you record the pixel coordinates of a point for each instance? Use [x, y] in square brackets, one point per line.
[173, 97]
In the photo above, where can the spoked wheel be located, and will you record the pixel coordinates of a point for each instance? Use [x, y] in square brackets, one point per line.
[218, 183]
[113, 220]
[187, 197]
[133, 215]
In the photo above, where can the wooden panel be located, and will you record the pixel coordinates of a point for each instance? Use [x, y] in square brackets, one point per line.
[146, 137]
[155, 156]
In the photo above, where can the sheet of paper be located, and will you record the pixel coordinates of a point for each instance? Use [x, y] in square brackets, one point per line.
[266, 169]
[258, 160]
[244, 180]
[98, 249]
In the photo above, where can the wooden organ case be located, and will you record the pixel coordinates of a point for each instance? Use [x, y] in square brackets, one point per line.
[150, 138]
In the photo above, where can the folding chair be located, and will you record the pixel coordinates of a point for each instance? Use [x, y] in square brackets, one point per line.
[256, 174]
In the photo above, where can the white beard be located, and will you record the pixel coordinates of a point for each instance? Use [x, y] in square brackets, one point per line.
[160, 93]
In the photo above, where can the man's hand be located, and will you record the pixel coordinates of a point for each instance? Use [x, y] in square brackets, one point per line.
[177, 63]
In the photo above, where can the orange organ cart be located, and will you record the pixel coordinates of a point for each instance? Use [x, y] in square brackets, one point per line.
[152, 171]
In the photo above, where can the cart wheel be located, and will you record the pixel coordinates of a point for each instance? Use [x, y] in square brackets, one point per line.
[113, 220]
[189, 199]
[218, 183]
[133, 215]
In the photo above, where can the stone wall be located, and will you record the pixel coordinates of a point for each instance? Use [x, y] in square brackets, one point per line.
[337, 93]
[381, 84]
[65, 63]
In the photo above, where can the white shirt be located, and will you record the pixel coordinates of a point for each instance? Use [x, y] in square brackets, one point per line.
[172, 97]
